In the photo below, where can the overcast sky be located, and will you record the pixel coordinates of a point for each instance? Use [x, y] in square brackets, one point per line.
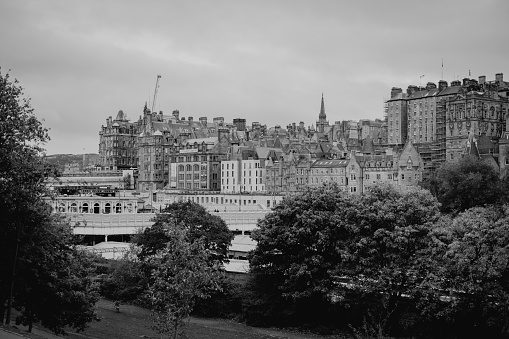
[265, 61]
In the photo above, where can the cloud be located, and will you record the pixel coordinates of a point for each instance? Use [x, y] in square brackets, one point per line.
[269, 61]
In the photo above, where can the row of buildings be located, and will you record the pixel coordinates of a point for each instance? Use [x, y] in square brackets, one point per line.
[422, 128]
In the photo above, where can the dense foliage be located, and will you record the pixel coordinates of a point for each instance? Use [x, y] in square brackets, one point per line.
[182, 274]
[382, 263]
[43, 275]
[468, 182]
[200, 224]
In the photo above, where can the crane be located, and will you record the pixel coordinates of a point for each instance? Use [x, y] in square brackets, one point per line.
[155, 93]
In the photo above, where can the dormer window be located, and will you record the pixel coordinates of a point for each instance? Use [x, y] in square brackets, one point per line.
[409, 163]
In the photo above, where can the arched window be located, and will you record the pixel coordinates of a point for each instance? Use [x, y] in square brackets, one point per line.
[181, 168]
[74, 208]
[97, 208]
[196, 168]
[107, 208]
[188, 167]
[118, 208]
[84, 208]
[61, 207]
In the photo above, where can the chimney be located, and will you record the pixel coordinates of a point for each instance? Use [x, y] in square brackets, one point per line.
[466, 81]
[455, 83]
[430, 85]
[176, 114]
[395, 91]
[219, 121]
[190, 119]
[482, 79]
[411, 89]
[442, 84]
[240, 124]
[277, 128]
[203, 121]
[499, 77]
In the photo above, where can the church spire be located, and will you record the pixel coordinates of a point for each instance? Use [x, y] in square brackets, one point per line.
[322, 110]
[322, 118]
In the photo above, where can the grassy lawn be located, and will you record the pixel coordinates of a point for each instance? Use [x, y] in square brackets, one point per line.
[134, 322]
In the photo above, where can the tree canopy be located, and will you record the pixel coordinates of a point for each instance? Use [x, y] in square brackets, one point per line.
[42, 273]
[181, 274]
[312, 239]
[325, 244]
[468, 182]
[200, 224]
[469, 267]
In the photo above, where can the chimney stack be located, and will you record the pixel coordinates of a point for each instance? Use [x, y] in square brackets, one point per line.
[175, 114]
[442, 84]
[395, 91]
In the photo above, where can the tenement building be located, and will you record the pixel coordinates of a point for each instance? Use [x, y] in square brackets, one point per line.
[439, 120]
[118, 147]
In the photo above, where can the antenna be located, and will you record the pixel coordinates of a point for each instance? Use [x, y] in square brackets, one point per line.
[155, 93]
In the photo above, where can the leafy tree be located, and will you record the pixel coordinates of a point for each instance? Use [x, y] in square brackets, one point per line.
[200, 224]
[43, 275]
[126, 281]
[390, 233]
[182, 273]
[466, 183]
[324, 247]
[467, 288]
[302, 240]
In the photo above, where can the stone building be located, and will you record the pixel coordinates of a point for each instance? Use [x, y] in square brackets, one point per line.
[118, 147]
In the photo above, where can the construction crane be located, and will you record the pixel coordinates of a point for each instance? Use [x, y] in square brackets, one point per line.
[155, 93]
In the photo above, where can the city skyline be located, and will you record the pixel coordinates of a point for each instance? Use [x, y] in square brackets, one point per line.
[81, 62]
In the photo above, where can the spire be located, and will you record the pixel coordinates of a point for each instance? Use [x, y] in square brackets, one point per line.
[322, 110]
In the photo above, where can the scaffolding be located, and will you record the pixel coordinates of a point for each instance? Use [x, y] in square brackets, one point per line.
[439, 146]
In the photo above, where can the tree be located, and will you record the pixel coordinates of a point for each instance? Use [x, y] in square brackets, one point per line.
[301, 241]
[182, 273]
[200, 223]
[327, 245]
[390, 233]
[42, 273]
[467, 287]
[466, 183]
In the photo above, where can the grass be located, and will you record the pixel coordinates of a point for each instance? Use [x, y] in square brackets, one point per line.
[135, 322]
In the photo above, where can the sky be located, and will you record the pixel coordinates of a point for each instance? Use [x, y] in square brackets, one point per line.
[265, 61]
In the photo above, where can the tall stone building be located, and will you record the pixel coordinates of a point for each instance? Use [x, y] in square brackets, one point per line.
[438, 120]
[480, 108]
[118, 148]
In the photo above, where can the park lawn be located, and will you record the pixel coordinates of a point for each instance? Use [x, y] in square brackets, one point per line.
[135, 322]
